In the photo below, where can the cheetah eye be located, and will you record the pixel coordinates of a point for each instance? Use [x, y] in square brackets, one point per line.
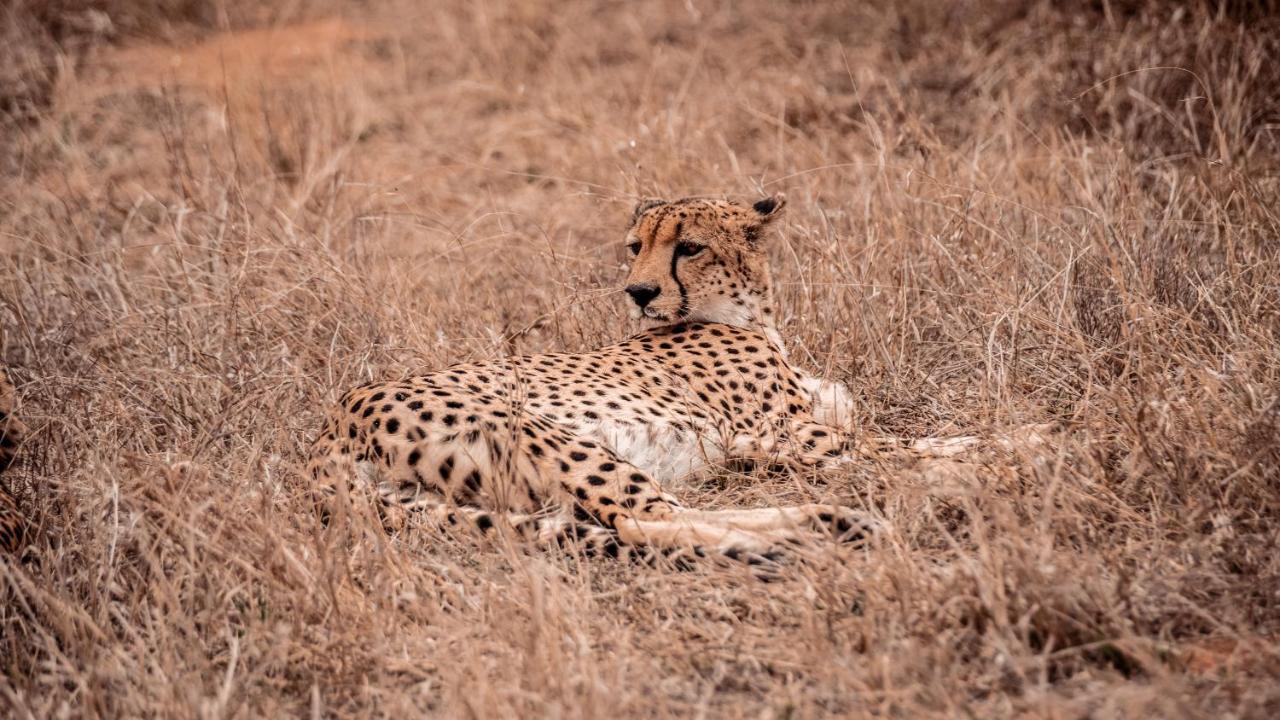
[688, 249]
[634, 247]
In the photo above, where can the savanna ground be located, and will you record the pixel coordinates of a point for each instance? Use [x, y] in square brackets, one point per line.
[215, 218]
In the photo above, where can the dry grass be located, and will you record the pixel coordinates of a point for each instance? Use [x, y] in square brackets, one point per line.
[1001, 212]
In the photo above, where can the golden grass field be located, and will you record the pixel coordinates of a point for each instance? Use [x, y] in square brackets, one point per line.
[216, 218]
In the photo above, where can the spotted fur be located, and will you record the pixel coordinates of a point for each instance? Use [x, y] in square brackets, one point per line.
[578, 448]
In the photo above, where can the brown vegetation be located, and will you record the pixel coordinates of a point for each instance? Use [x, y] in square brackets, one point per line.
[214, 220]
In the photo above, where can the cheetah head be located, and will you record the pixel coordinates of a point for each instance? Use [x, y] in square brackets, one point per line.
[701, 260]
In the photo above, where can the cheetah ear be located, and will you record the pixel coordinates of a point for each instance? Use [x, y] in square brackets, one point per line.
[642, 206]
[762, 214]
[770, 208]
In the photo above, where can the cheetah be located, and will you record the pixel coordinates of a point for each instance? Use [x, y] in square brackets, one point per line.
[12, 524]
[581, 447]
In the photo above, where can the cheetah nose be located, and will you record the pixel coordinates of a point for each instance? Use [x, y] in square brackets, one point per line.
[643, 293]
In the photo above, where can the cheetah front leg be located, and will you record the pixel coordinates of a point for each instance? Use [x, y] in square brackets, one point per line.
[802, 444]
[807, 444]
[833, 407]
[1022, 438]
[813, 444]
